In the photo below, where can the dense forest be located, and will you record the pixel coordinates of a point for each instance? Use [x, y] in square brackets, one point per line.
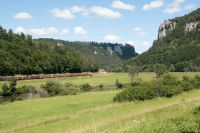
[179, 50]
[110, 56]
[20, 54]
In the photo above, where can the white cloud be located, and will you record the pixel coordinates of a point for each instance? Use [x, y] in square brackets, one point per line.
[112, 38]
[79, 31]
[77, 9]
[66, 14]
[43, 31]
[131, 42]
[20, 30]
[23, 15]
[105, 12]
[120, 5]
[65, 31]
[139, 31]
[140, 46]
[146, 43]
[176, 6]
[179, 1]
[153, 4]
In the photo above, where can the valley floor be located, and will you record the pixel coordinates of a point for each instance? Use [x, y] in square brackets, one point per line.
[104, 79]
[95, 112]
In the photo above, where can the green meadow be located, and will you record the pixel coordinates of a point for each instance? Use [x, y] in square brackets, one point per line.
[104, 79]
[95, 112]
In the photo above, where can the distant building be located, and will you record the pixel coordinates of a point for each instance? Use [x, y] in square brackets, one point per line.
[102, 71]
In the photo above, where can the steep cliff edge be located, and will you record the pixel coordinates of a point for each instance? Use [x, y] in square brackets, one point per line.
[177, 46]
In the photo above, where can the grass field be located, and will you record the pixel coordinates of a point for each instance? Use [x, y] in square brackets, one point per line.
[105, 79]
[93, 112]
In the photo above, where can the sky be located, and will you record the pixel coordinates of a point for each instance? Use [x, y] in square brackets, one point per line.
[118, 21]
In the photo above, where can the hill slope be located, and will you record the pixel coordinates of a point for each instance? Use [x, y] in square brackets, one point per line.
[20, 55]
[109, 56]
[177, 46]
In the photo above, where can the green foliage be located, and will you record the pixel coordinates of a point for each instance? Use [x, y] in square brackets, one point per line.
[160, 70]
[11, 89]
[101, 87]
[54, 88]
[22, 55]
[133, 73]
[98, 55]
[118, 84]
[70, 89]
[141, 92]
[5, 90]
[178, 51]
[167, 86]
[86, 87]
[186, 86]
[25, 90]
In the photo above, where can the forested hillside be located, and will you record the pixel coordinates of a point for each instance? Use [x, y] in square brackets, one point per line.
[20, 55]
[177, 46]
[109, 56]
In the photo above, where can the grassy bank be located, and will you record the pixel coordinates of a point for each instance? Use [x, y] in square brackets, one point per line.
[93, 112]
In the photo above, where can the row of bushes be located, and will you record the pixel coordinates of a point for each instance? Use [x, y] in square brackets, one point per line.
[56, 88]
[167, 86]
[9, 90]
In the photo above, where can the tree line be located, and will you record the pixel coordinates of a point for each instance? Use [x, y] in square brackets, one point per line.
[20, 54]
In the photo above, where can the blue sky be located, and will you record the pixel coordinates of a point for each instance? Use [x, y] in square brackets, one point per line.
[133, 21]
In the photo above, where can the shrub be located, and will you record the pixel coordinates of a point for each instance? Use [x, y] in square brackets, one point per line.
[143, 92]
[186, 78]
[101, 86]
[169, 91]
[69, 89]
[5, 90]
[53, 88]
[196, 81]
[118, 84]
[160, 70]
[13, 84]
[86, 87]
[169, 80]
[25, 90]
[11, 89]
[186, 86]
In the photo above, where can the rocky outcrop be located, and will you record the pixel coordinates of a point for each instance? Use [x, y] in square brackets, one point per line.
[191, 26]
[115, 49]
[109, 49]
[165, 28]
[118, 50]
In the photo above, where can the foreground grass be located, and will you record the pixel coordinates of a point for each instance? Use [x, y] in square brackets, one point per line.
[104, 79]
[94, 112]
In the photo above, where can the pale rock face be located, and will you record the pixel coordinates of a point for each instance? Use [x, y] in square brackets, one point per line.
[95, 52]
[59, 44]
[118, 50]
[191, 26]
[109, 49]
[165, 28]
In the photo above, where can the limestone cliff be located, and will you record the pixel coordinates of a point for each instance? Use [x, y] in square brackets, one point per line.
[191, 26]
[165, 28]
